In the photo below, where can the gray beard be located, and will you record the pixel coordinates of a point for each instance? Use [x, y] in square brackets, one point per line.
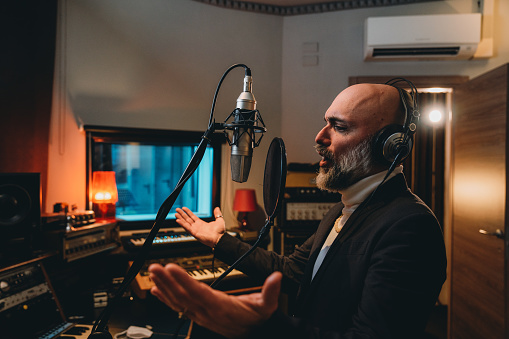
[347, 170]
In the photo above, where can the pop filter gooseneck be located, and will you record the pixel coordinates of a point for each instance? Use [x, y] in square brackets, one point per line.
[274, 181]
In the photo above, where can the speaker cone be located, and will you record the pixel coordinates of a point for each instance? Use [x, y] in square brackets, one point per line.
[15, 205]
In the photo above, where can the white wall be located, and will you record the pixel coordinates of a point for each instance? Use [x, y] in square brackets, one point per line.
[309, 90]
[156, 64]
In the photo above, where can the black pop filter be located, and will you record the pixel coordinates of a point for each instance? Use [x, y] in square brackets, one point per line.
[274, 179]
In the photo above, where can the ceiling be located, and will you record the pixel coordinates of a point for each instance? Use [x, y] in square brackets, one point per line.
[298, 7]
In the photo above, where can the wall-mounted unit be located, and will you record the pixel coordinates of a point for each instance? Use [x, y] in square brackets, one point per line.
[422, 37]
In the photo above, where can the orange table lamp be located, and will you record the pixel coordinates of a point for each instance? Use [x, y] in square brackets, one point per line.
[104, 194]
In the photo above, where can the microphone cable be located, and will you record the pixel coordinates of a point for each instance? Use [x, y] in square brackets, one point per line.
[401, 153]
[212, 126]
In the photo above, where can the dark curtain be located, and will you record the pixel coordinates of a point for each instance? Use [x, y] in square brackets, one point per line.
[424, 169]
[26, 84]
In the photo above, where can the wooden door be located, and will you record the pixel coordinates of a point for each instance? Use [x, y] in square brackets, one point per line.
[478, 279]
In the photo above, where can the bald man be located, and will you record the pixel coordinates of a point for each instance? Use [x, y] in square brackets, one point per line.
[373, 271]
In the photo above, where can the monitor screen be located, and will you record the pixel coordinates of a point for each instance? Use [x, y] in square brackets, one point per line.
[148, 164]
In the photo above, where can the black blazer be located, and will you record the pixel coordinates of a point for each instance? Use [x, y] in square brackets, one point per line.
[380, 278]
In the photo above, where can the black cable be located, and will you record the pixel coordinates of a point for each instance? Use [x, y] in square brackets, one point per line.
[264, 231]
[401, 151]
[248, 72]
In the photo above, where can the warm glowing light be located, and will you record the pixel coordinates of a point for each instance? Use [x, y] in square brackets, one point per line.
[435, 90]
[102, 196]
[435, 115]
[104, 187]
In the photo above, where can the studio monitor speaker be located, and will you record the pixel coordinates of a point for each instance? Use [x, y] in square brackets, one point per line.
[20, 206]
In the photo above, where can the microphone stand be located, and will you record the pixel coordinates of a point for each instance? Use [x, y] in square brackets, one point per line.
[99, 329]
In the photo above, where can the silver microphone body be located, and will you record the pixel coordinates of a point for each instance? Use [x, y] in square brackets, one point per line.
[243, 137]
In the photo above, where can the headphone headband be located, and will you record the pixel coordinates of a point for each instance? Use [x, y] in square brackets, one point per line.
[394, 142]
[408, 99]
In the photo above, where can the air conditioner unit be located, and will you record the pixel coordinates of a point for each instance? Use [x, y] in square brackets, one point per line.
[422, 37]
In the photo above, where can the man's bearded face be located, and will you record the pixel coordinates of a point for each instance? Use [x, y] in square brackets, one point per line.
[348, 169]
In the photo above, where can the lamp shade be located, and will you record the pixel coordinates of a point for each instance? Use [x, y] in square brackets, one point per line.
[245, 200]
[104, 187]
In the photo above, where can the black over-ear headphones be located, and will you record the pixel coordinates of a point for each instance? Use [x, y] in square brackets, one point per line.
[394, 142]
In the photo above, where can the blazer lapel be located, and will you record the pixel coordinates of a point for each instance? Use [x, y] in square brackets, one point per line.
[322, 232]
[353, 224]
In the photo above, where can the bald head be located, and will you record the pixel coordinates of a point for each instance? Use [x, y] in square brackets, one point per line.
[373, 105]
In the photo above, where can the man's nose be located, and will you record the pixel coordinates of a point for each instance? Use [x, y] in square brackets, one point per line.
[322, 138]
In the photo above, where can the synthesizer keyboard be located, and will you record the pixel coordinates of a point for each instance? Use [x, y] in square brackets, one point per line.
[164, 238]
[198, 267]
[169, 242]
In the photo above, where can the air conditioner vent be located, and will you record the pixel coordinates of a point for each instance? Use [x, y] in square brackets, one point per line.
[384, 52]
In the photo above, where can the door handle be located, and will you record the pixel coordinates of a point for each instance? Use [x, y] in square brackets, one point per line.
[498, 233]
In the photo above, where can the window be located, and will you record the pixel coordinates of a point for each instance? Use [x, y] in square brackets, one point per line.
[148, 164]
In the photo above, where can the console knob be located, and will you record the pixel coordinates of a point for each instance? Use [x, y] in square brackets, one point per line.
[4, 286]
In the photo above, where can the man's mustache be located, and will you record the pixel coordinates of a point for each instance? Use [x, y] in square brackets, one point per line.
[324, 152]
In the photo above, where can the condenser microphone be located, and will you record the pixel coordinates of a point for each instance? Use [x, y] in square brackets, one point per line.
[242, 141]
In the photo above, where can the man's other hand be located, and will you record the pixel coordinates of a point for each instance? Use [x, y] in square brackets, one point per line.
[230, 316]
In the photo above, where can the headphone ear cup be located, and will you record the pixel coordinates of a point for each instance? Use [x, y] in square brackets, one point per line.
[388, 143]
